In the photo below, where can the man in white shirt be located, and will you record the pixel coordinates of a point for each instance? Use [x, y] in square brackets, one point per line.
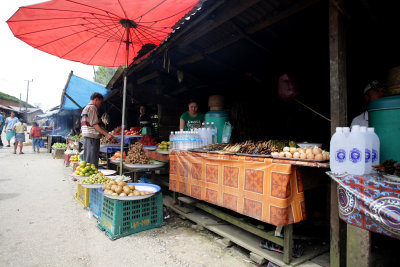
[373, 91]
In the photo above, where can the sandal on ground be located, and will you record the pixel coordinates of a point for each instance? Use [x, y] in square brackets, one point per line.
[21, 153]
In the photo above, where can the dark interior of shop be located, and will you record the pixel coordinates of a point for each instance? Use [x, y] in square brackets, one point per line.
[243, 58]
[246, 71]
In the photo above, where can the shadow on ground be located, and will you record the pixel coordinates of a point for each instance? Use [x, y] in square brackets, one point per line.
[7, 196]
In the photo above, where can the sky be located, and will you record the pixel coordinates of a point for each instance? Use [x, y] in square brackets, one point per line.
[20, 62]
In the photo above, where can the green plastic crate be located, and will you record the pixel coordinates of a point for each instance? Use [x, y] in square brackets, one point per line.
[120, 218]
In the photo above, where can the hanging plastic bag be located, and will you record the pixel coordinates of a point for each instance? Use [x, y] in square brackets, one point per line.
[226, 133]
[144, 179]
[41, 143]
[287, 88]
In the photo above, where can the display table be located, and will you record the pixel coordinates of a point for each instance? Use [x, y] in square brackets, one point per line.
[254, 186]
[129, 139]
[371, 202]
[112, 148]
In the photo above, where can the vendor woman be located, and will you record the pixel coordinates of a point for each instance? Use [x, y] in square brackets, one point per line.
[192, 118]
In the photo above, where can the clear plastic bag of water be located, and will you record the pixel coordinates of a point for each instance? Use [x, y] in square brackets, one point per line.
[226, 133]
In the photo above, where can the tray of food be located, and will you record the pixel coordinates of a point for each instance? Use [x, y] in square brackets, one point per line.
[119, 177]
[149, 147]
[389, 169]
[315, 154]
[145, 166]
[95, 181]
[221, 152]
[111, 145]
[129, 191]
[254, 155]
[115, 161]
[298, 159]
[107, 172]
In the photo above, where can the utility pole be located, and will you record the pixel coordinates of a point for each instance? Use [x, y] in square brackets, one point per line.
[20, 101]
[27, 93]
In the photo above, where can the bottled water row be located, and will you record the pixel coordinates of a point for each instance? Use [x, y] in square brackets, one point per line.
[194, 138]
[354, 152]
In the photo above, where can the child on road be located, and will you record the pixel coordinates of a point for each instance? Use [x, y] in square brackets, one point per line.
[35, 134]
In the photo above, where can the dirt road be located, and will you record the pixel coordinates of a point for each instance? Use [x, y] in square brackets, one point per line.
[42, 225]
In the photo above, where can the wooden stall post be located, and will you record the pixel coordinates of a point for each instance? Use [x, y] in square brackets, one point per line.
[358, 247]
[338, 95]
[288, 243]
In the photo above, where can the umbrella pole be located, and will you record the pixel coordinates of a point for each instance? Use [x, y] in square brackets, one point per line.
[124, 99]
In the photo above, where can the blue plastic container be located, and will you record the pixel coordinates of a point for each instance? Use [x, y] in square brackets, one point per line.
[96, 202]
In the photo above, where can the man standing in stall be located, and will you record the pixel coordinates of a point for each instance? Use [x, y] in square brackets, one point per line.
[91, 130]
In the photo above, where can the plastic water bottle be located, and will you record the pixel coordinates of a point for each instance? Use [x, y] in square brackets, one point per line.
[356, 151]
[368, 150]
[214, 131]
[346, 131]
[209, 136]
[375, 146]
[338, 149]
[197, 140]
[171, 141]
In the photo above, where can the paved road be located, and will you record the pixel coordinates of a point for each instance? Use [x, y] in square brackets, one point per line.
[42, 225]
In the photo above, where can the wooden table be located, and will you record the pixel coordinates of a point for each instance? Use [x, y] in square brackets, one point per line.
[269, 190]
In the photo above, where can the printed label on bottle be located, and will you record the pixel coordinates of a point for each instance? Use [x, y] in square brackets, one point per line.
[340, 155]
[367, 155]
[355, 155]
[374, 155]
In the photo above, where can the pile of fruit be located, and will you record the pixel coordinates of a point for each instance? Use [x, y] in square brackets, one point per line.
[116, 131]
[102, 162]
[163, 146]
[132, 131]
[120, 188]
[98, 178]
[389, 166]
[136, 155]
[85, 169]
[314, 153]
[74, 158]
[117, 155]
[146, 140]
[75, 137]
[59, 145]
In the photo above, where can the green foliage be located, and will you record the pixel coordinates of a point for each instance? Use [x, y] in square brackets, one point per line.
[104, 74]
[12, 98]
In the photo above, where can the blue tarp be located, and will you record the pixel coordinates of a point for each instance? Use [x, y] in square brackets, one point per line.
[80, 91]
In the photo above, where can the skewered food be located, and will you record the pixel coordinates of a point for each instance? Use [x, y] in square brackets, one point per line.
[389, 166]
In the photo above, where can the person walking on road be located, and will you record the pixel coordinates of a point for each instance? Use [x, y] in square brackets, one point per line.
[1, 128]
[19, 128]
[91, 130]
[8, 127]
[35, 134]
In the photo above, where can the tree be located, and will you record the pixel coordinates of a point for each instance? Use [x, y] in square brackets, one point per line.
[104, 74]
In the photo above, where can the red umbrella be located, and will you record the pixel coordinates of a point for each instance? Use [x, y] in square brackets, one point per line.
[98, 32]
